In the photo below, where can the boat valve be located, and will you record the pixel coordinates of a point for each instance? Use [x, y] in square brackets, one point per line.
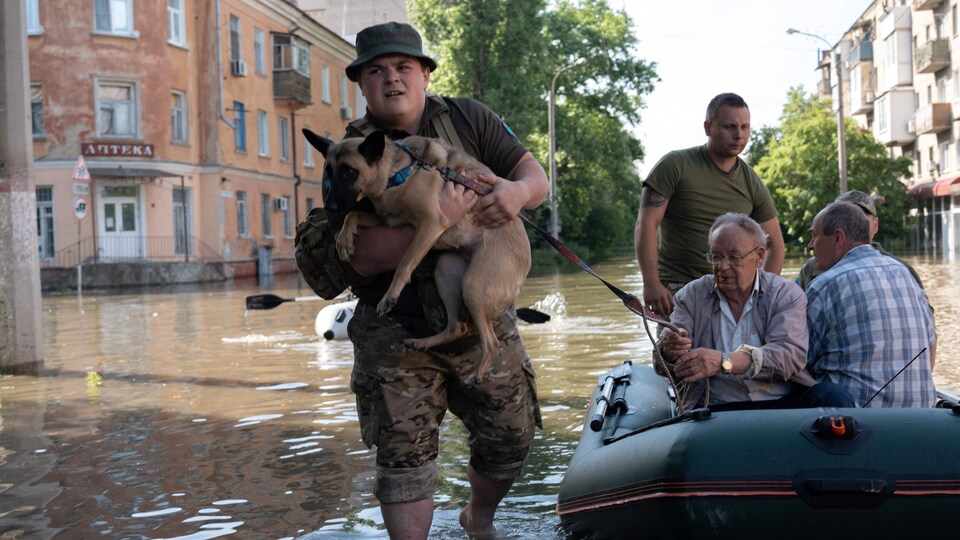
[836, 428]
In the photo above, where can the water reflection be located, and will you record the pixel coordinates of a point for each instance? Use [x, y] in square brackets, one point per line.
[208, 420]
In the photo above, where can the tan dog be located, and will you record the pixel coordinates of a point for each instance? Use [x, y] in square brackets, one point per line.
[484, 267]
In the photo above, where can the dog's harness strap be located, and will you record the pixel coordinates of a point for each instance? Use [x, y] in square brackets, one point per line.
[445, 172]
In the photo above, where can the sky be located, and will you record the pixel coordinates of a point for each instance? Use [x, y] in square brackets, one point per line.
[706, 47]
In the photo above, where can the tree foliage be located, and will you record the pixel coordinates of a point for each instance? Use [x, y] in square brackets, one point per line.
[507, 53]
[799, 164]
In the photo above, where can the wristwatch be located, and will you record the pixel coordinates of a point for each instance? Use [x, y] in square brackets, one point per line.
[726, 365]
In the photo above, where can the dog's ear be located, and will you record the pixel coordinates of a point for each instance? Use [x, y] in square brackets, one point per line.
[320, 143]
[372, 147]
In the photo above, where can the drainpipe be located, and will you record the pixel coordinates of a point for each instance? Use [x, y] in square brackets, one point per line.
[296, 177]
[220, 71]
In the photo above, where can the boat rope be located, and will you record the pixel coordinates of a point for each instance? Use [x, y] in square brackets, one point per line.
[894, 377]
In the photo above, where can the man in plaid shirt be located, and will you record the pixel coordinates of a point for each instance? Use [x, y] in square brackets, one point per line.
[868, 319]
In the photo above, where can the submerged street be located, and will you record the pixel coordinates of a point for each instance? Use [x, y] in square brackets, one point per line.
[175, 413]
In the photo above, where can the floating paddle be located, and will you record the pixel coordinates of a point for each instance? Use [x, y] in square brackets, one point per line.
[270, 301]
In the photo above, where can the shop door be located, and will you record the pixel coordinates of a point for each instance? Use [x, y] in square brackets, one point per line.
[119, 223]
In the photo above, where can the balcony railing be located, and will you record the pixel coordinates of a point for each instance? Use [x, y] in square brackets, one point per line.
[934, 118]
[860, 53]
[933, 56]
[920, 5]
[132, 249]
[291, 84]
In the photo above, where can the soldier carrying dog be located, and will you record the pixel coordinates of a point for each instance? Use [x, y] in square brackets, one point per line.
[403, 394]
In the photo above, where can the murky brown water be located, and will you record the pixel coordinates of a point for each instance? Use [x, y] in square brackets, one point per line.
[209, 420]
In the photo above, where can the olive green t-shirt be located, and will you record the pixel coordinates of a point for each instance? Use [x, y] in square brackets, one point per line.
[698, 192]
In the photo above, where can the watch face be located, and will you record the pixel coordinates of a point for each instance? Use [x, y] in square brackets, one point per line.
[726, 366]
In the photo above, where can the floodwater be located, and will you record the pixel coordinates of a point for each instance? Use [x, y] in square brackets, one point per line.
[176, 413]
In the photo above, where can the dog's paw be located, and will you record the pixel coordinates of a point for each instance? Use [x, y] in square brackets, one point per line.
[385, 305]
[345, 247]
[414, 344]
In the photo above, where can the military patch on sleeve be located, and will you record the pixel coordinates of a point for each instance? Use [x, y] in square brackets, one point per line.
[510, 131]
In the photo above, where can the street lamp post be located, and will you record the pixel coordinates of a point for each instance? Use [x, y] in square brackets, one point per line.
[841, 138]
[554, 217]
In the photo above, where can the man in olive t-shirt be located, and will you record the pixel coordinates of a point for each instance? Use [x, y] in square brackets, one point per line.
[683, 195]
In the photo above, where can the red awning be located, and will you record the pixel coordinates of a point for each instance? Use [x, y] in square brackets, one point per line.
[929, 190]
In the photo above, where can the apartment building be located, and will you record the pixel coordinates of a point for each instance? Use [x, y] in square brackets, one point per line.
[901, 81]
[187, 117]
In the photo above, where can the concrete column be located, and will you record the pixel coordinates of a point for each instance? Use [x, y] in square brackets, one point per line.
[21, 329]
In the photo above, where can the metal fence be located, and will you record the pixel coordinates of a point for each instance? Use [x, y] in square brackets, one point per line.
[131, 249]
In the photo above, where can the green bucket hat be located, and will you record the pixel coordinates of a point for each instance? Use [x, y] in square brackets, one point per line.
[387, 38]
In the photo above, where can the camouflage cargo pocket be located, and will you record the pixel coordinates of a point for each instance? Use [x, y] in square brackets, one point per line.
[366, 387]
[316, 255]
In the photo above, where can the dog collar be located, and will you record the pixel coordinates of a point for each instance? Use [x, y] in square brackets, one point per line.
[401, 176]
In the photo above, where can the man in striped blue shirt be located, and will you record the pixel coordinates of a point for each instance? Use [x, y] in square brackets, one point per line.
[867, 317]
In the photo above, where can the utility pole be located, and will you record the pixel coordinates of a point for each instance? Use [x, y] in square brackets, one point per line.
[21, 328]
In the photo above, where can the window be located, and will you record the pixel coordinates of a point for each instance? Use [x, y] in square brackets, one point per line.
[945, 156]
[239, 127]
[36, 109]
[45, 222]
[325, 83]
[287, 219]
[263, 134]
[265, 215]
[259, 53]
[243, 228]
[235, 38]
[113, 16]
[881, 114]
[290, 52]
[311, 205]
[345, 98]
[176, 23]
[284, 129]
[117, 109]
[890, 45]
[178, 117]
[307, 154]
[33, 17]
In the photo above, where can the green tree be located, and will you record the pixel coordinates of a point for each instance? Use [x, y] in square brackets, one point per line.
[800, 168]
[506, 53]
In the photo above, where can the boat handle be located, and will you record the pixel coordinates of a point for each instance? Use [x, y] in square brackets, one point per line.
[874, 486]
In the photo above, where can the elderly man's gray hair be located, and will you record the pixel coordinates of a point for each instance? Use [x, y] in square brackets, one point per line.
[846, 217]
[743, 221]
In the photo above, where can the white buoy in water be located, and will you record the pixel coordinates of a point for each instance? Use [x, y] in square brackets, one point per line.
[332, 320]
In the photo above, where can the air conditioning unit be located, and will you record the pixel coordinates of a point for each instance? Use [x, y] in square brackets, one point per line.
[869, 97]
[282, 204]
[912, 127]
[346, 113]
[238, 68]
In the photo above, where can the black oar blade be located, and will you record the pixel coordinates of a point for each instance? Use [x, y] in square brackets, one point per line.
[531, 315]
[264, 301]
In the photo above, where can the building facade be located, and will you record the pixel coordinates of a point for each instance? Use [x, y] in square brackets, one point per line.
[186, 115]
[902, 82]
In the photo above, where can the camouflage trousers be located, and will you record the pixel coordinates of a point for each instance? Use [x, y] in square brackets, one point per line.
[403, 395]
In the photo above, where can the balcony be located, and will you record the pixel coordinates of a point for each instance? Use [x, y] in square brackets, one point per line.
[920, 5]
[289, 84]
[865, 104]
[934, 118]
[933, 56]
[860, 53]
[823, 88]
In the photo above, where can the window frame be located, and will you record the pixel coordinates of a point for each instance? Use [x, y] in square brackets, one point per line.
[130, 31]
[263, 134]
[179, 114]
[288, 218]
[283, 127]
[243, 215]
[32, 7]
[259, 52]
[236, 38]
[134, 114]
[36, 106]
[177, 21]
[325, 84]
[239, 126]
[308, 160]
[266, 223]
[45, 213]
